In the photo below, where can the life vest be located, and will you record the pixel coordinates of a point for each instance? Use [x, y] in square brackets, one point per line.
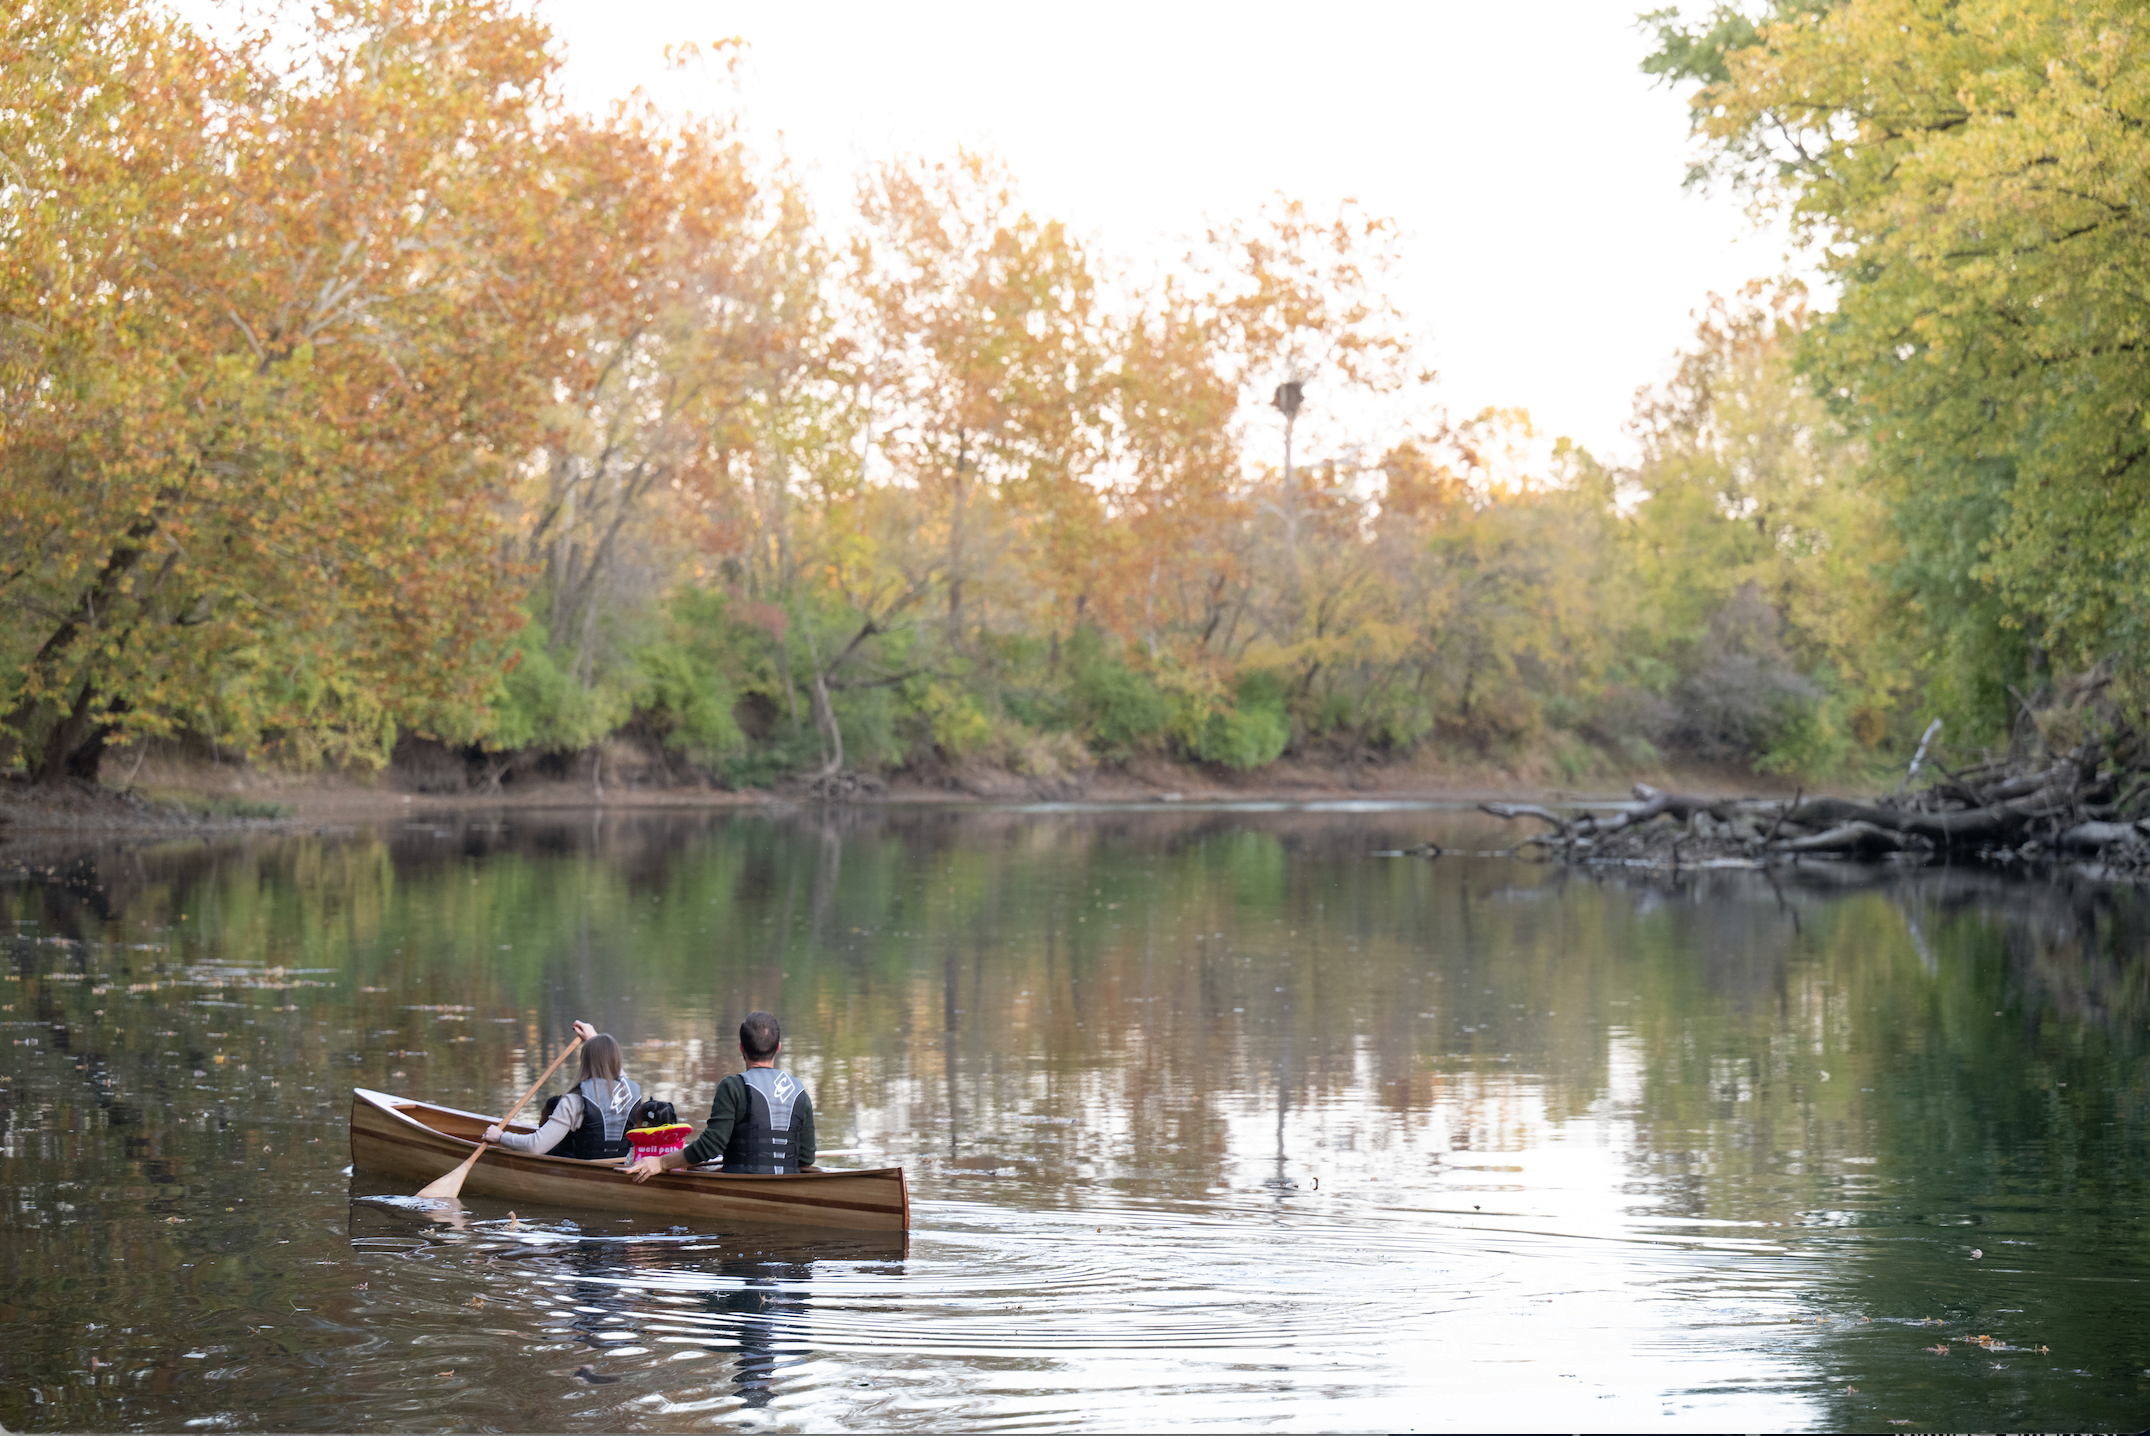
[605, 1118]
[765, 1139]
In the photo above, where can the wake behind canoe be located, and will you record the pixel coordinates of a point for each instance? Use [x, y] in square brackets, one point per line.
[403, 1137]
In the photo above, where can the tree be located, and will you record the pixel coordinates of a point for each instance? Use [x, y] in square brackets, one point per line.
[698, 325]
[985, 361]
[1300, 302]
[1974, 174]
[1166, 570]
[1755, 549]
[268, 352]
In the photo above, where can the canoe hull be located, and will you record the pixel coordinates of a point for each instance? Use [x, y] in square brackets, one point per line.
[419, 1141]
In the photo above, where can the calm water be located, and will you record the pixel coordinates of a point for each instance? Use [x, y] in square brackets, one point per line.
[1211, 1118]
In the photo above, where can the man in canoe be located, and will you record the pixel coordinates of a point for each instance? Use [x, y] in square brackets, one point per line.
[761, 1120]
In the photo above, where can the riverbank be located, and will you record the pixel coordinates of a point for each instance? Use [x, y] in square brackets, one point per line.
[174, 798]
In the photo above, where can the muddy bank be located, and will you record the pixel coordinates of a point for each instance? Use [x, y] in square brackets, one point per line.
[178, 799]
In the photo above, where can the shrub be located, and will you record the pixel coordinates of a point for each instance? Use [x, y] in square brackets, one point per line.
[1250, 732]
[1742, 694]
[1119, 709]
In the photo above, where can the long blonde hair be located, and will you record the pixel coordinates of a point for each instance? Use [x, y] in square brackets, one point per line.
[601, 1060]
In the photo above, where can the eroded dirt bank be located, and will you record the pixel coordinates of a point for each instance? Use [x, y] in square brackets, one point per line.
[170, 800]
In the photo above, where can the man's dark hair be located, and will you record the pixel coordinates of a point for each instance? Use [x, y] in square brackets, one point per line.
[759, 1036]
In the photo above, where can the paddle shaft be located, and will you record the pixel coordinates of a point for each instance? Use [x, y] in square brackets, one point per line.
[451, 1185]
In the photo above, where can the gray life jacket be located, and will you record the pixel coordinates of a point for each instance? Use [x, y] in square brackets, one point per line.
[765, 1139]
[603, 1129]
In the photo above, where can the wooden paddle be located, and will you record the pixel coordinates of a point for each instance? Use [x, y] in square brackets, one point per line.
[449, 1187]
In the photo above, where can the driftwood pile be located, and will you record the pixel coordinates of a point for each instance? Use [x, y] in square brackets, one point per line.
[2089, 803]
[843, 786]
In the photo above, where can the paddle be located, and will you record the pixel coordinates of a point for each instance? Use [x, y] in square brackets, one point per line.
[449, 1187]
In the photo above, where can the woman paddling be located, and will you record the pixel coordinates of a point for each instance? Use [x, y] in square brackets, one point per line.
[590, 1122]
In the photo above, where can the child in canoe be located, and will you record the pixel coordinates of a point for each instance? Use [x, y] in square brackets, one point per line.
[590, 1122]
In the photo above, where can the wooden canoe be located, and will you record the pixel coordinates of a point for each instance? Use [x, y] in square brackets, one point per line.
[419, 1140]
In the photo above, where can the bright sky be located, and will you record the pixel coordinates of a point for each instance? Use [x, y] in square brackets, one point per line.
[1552, 256]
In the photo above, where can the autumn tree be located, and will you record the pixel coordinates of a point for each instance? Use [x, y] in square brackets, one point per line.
[985, 360]
[1301, 301]
[694, 311]
[1166, 569]
[1303, 317]
[269, 334]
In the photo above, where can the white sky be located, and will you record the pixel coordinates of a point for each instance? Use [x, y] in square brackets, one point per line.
[1552, 256]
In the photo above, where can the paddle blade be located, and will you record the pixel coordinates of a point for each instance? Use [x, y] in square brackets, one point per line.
[448, 1188]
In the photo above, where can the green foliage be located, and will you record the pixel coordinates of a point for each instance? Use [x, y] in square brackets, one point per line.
[1028, 531]
[680, 684]
[1250, 731]
[956, 720]
[1752, 546]
[255, 402]
[1695, 51]
[1974, 174]
[538, 704]
[763, 765]
[687, 690]
[1119, 709]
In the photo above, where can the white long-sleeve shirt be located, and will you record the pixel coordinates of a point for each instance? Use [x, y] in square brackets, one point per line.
[566, 1117]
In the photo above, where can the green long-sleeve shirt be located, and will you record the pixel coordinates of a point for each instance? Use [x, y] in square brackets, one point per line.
[729, 1106]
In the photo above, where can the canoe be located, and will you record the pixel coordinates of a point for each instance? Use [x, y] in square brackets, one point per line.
[402, 1137]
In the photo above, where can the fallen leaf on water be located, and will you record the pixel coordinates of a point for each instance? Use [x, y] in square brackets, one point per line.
[2044, 1350]
[444, 1373]
[360, 1287]
[1851, 1391]
[475, 1301]
[1941, 1350]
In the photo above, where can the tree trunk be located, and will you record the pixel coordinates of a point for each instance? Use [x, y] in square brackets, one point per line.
[95, 600]
[74, 746]
[831, 733]
[1998, 823]
[956, 516]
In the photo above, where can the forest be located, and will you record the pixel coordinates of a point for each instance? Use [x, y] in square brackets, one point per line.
[361, 400]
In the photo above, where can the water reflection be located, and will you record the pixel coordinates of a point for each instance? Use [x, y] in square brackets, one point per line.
[1209, 1115]
[610, 1301]
[769, 1297]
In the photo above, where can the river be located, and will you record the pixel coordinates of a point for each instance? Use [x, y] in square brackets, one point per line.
[1225, 1116]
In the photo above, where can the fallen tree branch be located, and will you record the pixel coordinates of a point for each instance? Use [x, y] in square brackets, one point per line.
[2092, 798]
[1513, 811]
[2091, 837]
[1852, 837]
